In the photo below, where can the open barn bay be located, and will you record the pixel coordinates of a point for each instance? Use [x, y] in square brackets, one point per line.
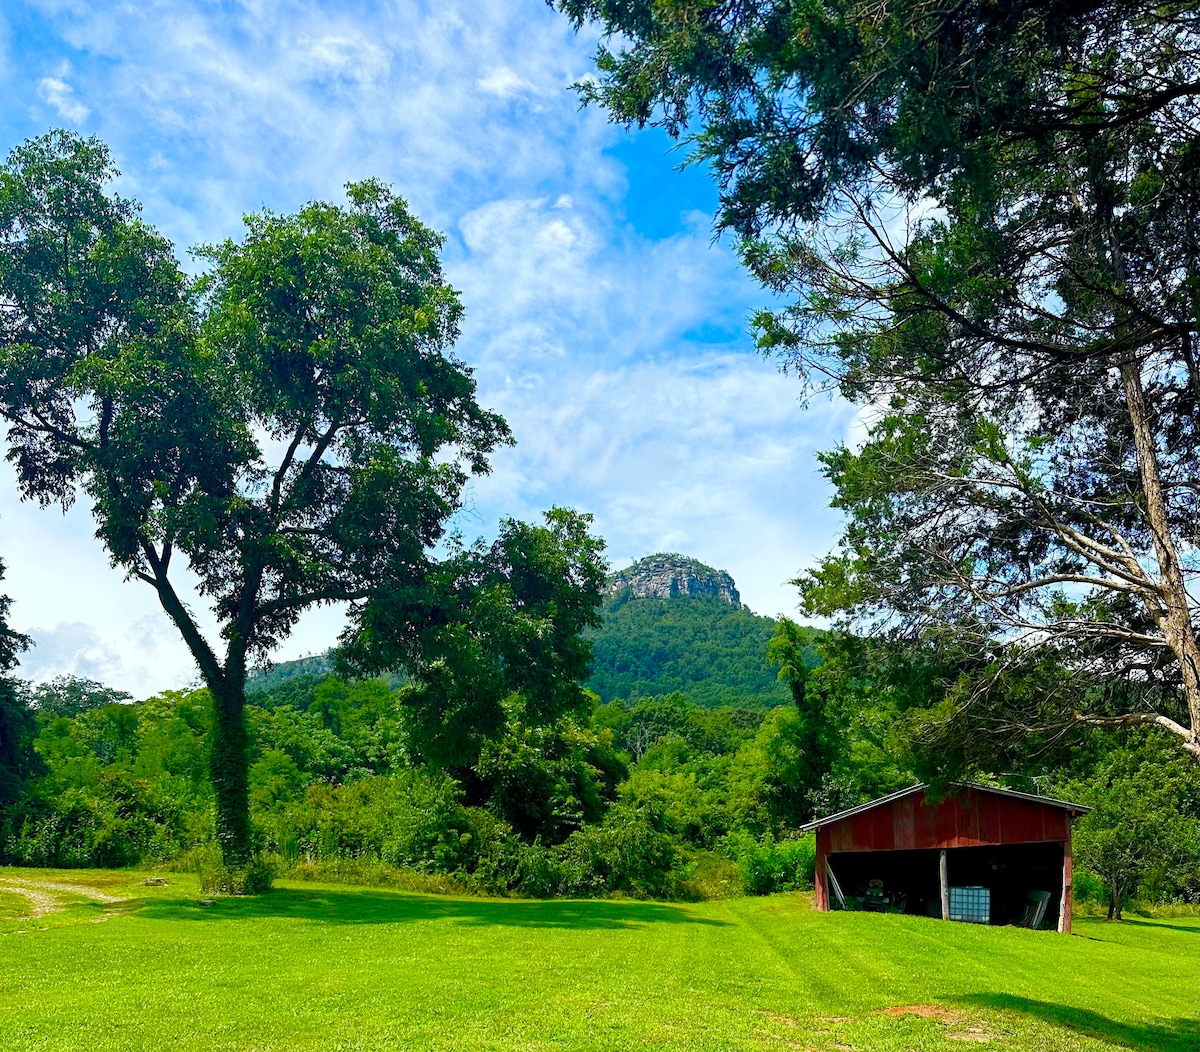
[97, 960]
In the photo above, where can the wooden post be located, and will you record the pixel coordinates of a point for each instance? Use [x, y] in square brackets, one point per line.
[821, 881]
[1064, 905]
[945, 885]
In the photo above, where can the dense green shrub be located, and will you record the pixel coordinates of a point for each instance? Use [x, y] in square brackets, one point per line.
[216, 878]
[626, 854]
[412, 818]
[546, 782]
[769, 865]
[1087, 886]
[118, 822]
[711, 876]
[695, 799]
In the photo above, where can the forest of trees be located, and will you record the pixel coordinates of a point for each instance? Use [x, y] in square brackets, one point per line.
[647, 796]
[715, 652]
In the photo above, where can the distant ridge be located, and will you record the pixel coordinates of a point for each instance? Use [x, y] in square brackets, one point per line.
[313, 665]
[667, 575]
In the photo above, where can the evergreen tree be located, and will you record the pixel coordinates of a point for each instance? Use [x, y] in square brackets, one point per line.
[982, 221]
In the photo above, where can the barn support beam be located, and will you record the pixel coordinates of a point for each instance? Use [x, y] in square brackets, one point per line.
[821, 881]
[1064, 904]
[944, 881]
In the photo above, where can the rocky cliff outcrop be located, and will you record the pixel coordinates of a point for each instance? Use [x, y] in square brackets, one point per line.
[670, 576]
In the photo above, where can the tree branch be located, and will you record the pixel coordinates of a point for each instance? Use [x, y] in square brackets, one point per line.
[210, 666]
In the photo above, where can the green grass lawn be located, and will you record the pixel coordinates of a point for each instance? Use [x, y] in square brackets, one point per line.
[336, 968]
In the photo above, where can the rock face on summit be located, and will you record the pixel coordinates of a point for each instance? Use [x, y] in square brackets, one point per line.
[670, 576]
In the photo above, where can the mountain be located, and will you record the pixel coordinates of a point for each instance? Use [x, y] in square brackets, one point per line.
[671, 576]
[672, 623]
[317, 665]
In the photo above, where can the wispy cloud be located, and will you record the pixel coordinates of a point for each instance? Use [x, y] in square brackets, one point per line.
[62, 99]
[128, 662]
[503, 83]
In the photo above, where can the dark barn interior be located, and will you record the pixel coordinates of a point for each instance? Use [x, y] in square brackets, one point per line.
[909, 881]
[982, 854]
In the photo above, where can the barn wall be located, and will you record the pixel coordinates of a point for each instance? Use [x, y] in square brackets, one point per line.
[970, 819]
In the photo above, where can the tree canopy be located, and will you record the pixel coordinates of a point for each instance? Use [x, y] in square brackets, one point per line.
[981, 222]
[68, 695]
[292, 425]
[493, 635]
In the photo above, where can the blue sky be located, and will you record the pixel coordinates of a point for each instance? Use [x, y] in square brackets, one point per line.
[602, 319]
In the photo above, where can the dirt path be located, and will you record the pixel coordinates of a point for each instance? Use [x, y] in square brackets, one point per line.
[42, 898]
[40, 903]
[73, 889]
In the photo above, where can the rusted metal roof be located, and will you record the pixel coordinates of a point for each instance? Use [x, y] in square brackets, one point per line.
[1013, 794]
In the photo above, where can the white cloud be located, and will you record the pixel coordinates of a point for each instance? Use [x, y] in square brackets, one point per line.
[80, 649]
[714, 460]
[62, 98]
[503, 83]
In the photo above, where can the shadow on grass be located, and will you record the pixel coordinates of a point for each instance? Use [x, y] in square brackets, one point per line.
[1152, 922]
[382, 907]
[1172, 1035]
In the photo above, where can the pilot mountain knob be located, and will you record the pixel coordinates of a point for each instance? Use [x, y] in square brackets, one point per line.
[669, 576]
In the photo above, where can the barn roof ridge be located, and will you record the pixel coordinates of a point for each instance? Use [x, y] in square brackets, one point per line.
[1015, 794]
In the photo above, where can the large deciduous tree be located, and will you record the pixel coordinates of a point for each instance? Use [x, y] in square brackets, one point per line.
[494, 648]
[291, 427]
[981, 220]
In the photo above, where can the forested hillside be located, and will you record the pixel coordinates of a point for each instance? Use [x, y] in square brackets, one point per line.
[702, 646]
[311, 665]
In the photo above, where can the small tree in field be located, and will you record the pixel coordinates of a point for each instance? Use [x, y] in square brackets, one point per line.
[291, 426]
[1144, 827]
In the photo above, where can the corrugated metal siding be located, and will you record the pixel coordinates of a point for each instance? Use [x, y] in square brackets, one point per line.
[967, 820]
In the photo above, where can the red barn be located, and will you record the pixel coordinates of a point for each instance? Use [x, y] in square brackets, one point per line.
[994, 856]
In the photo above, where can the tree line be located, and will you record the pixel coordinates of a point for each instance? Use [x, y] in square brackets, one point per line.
[651, 797]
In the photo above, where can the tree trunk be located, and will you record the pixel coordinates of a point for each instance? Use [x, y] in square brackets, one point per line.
[1174, 619]
[230, 763]
[229, 760]
[1116, 893]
